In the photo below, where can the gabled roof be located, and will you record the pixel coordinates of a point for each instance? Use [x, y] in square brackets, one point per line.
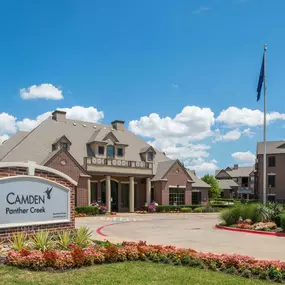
[10, 143]
[37, 144]
[272, 147]
[198, 183]
[110, 134]
[218, 172]
[162, 168]
[57, 152]
[227, 184]
[241, 171]
[165, 166]
[62, 137]
[145, 149]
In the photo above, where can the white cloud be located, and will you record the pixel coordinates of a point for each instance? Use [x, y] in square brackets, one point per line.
[201, 166]
[193, 122]
[234, 116]
[232, 135]
[89, 114]
[3, 138]
[29, 124]
[7, 123]
[247, 157]
[42, 91]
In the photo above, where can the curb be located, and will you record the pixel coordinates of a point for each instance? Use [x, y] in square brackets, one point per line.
[250, 231]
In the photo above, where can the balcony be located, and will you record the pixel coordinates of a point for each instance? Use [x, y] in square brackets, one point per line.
[119, 166]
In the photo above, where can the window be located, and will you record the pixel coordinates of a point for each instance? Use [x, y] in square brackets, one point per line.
[101, 150]
[252, 178]
[271, 180]
[120, 152]
[176, 196]
[110, 151]
[271, 161]
[125, 195]
[64, 145]
[196, 198]
[150, 156]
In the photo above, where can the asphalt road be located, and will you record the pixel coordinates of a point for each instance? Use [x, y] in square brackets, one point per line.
[195, 231]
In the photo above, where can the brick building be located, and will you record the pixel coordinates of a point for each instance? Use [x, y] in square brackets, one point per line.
[110, 164]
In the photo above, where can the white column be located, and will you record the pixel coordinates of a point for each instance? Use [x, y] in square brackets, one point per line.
[108, 193]
[89, 191]
[148, 191]
[132, 195]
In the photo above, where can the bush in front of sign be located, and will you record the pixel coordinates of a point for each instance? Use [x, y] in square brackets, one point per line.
[88, 210]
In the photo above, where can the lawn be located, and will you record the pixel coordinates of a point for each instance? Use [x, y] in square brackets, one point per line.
[127, 273]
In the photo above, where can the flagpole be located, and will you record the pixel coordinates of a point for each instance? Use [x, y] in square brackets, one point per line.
[264, 131]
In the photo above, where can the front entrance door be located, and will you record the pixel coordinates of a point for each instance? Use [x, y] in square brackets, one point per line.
[114, 195]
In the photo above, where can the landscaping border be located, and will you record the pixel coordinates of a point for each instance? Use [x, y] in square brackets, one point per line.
[250, 231]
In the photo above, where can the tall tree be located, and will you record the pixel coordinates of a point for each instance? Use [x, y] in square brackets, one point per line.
[215, 189]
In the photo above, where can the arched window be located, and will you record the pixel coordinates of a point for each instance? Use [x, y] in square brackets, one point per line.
[110, 151]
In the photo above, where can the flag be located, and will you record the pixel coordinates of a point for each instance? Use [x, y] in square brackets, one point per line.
[261, 79]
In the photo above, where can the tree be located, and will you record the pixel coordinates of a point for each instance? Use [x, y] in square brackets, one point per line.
[215, 189]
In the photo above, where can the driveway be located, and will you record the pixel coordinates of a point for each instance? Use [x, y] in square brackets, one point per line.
[195, 231]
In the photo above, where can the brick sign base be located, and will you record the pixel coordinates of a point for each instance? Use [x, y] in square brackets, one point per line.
[16, 169]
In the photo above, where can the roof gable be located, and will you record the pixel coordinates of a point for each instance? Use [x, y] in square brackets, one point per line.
[182, 167]
[61, 138]
[111, 136]
[223, 174]
[147, 148]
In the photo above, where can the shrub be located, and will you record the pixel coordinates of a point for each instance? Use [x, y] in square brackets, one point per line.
[264, 213]
[82, 237]
[282, 222]
[199, 210]
[231, 216]
[278, 220]
[41, 241]
[19, 241]
[88, 210]
[64, 240]
[186, 210]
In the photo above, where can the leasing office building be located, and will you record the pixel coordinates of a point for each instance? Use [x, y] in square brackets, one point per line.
[110, 164]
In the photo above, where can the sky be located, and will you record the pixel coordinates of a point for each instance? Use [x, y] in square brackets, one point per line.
[181, 74]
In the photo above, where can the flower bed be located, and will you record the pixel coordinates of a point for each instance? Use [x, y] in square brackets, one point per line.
[129, 251]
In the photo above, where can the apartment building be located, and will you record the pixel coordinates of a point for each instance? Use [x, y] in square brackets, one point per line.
[111, 165]
[275, 166]
[237, 181]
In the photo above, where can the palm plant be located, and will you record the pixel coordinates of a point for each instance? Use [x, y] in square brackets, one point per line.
[82, 237]
[64, 240]
[19, 241]
[42, 241]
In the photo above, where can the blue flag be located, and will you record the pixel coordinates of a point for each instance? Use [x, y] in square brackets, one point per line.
[261, 79]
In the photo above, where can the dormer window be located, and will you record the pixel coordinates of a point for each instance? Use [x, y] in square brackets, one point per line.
[101, 150]
[61, 142]
[150, 156]
[110, 151]
[64, 145]
[120, 152]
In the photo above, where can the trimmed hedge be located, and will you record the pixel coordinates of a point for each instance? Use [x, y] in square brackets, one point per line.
[186, 210]
[88, 210]
[171, 208]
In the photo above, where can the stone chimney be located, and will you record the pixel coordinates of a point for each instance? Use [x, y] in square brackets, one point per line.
[59, 116]
[118, 125]
[236, 166]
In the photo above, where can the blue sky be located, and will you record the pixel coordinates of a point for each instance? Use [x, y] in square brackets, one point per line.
[129, 59]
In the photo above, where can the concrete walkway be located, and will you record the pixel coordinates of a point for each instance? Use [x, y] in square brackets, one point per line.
[184, 230]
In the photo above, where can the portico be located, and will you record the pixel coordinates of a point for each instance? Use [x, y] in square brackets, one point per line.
[120, 194]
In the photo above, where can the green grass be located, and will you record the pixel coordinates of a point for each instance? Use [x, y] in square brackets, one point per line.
[127, 273]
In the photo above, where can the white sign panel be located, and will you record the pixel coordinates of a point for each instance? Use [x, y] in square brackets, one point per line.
[30, 200]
